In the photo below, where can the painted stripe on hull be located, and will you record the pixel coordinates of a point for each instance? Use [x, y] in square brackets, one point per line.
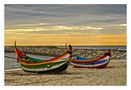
[42, 69]
[39, 63]
[91, 66]
[100, 66]
[91, 63]
[94, 59]
[42, 65]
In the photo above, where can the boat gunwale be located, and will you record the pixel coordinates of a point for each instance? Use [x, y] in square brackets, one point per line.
[91, 66]
[44, 62]
[92, 60]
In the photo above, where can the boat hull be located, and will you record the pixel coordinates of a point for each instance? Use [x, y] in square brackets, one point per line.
[35, 65]
[101, 63]
[80, 65]
[57, 69]
[46, 67]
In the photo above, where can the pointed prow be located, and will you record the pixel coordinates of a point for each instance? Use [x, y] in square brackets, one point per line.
[108, 52]
[66, 46]
[15, 44]
[18, 52]
[70, 49]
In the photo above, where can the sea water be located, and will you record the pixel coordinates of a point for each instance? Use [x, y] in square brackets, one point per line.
[11, 63]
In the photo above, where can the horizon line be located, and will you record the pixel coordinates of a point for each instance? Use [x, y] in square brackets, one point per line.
[64, 45]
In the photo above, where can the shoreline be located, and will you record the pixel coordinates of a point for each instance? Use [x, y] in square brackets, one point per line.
[12, 69]
[115, 74]
[112, 75]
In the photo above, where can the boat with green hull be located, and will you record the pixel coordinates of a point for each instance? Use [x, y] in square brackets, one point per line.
[53, 65]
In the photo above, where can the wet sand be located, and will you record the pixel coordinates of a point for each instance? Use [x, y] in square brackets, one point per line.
[113, 75]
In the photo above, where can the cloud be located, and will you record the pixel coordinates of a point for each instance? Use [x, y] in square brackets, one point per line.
[122, 25]
[53, 29]
[28, 25]
[82, 21]
[111, 36]
[65, 14]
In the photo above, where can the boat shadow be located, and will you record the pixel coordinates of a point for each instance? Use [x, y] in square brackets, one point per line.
[29, 74]
[75, 71]
[114, 67]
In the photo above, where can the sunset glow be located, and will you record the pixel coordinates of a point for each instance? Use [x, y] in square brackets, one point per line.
[57, 24]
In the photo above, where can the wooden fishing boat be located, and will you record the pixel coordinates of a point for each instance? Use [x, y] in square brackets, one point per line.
[99, 62]
[54, 65]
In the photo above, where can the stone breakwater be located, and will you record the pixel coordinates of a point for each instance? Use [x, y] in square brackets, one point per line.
[54, 51]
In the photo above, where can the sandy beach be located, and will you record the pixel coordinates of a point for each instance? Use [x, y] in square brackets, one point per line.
[51, 38]
[113, 75]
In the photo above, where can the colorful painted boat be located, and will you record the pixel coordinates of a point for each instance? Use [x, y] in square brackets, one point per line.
[54, 65]
[99, 62]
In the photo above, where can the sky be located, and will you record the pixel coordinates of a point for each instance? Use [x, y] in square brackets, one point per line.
[57, 24]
